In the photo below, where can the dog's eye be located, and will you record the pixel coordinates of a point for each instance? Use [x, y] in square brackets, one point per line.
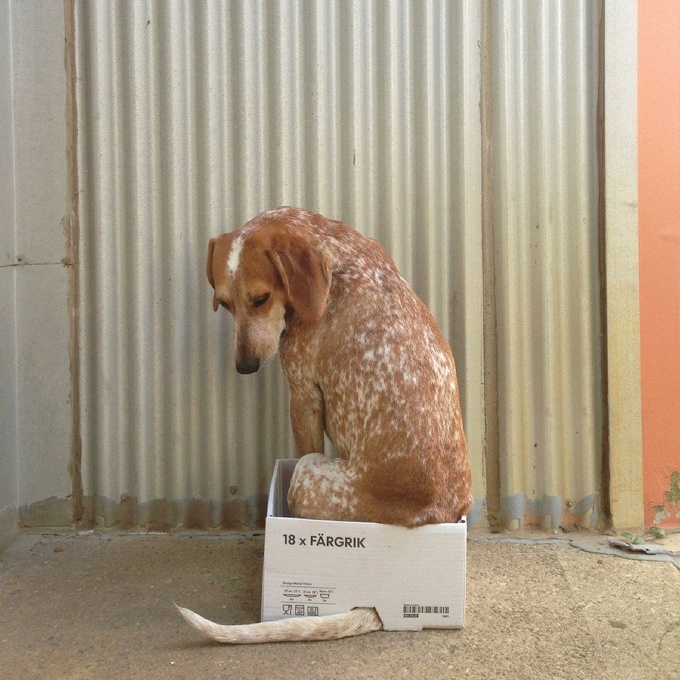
[261, 300]
[226, 305]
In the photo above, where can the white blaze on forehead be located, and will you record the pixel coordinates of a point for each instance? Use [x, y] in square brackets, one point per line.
[235, 254]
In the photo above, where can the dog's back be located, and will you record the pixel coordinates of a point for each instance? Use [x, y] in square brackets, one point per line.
[390, 395]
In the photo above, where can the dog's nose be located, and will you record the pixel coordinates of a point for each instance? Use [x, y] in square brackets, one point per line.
[247, 365]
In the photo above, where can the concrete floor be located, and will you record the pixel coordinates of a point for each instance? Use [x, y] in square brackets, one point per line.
[100, 606]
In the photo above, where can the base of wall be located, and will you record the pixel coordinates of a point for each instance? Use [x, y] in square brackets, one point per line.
[162, 515]
[50, 512]
[550, 513]
[9, 524]
[167, 515]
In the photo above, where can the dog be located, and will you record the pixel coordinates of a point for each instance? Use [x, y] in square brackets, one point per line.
[365, 363]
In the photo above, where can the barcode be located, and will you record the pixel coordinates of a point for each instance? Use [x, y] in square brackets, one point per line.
[412, 610]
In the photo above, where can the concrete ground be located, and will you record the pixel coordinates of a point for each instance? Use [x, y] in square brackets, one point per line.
[99, 605]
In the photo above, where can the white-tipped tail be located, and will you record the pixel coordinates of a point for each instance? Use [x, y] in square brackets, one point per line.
[347, 624]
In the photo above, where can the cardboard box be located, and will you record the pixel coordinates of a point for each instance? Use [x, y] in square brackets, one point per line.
[415, 578]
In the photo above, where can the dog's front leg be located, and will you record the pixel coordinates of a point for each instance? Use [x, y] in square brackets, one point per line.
[307, 420]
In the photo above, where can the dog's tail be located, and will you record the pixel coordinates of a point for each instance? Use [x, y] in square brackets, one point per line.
[333, 627]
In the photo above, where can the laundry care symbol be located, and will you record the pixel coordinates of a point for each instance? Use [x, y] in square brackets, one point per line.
[287, 609]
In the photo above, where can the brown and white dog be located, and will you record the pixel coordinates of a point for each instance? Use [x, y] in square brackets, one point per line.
[366, 364]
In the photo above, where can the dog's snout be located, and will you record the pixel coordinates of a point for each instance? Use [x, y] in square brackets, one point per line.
[247, 365]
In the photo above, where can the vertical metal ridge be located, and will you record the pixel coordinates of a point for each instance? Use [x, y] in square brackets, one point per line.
[73, 248]
[602, 269]
[489, 398]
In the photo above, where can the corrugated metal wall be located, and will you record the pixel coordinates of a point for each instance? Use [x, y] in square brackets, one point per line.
[545, 197]
[193, 117]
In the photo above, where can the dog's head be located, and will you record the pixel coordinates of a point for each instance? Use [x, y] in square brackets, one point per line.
[266, 276]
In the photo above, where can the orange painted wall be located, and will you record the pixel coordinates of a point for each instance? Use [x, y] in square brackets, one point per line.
[659, 233]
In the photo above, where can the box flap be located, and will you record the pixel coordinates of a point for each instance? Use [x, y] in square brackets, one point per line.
[277, 505]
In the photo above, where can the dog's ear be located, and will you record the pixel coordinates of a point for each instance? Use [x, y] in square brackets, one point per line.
[306, 275]
[209, 271]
